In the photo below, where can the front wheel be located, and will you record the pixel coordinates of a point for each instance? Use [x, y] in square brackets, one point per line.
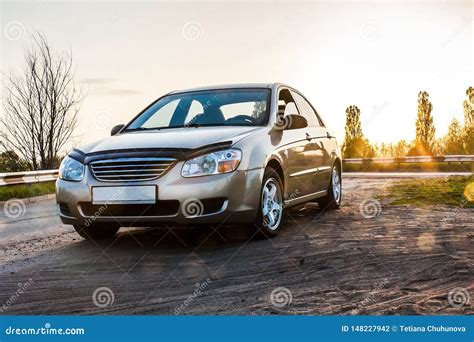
[96, 232]
[332, 200]
[270, 213]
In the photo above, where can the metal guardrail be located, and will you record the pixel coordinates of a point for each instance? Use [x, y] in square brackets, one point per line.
[417, 159]
[29, 177]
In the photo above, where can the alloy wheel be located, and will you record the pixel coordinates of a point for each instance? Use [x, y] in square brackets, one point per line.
[336, 185]
[272, 204]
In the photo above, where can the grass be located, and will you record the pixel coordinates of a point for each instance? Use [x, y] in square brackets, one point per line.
[26, 190]
[454, 190]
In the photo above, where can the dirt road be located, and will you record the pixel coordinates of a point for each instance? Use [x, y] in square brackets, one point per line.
[361, 259]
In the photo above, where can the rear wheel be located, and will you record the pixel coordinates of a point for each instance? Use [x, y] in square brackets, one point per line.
[96, 231]
[332, 200]
[270, 213]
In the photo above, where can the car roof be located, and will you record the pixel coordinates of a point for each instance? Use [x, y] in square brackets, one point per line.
[229, 86]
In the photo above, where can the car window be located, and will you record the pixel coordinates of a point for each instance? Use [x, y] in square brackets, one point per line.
[291, 108]
[163, 115]
[306, 110]
[286, 103]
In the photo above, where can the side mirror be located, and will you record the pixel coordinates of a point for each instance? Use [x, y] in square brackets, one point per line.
[116, 129]
[290, 121]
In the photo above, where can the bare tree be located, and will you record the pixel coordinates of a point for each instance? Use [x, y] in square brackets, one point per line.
[40, 105]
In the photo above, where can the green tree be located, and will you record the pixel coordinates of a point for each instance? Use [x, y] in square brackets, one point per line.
[400, 149]
[468, 132]
[383, 150]
[355, 145]
[469, 107]
[11, 162]
[425, 130]
[468, 139]
[353, 124]
[453, 141]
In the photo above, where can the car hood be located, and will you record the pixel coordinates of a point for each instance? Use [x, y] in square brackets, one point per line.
[183, 138]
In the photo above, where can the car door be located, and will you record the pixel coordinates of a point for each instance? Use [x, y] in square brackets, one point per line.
[294, 152]
[319, 144]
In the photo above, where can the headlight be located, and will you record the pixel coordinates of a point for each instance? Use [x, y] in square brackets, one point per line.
[212, 163]
[71, 170]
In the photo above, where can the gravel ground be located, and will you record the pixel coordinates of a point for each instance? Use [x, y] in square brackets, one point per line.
[369, 257]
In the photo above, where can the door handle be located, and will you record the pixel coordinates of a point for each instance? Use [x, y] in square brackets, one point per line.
[308, 137]
[329, 135]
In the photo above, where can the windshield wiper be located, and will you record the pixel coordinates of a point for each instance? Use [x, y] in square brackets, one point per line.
[203, 125]
[196, 125]
[141, 129]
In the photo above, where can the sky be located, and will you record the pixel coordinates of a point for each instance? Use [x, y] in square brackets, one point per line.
[374, 54]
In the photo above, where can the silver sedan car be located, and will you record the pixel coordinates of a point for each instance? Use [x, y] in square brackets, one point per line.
[213, 155]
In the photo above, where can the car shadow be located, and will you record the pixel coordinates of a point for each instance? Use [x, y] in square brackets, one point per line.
[178, 237]
[166, 237]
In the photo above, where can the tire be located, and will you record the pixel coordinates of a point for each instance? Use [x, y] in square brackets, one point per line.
[95, 232]
[333, 198]
[268, 222]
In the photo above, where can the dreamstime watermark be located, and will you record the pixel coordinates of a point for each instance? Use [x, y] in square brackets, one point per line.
[207, 105]
[453, 214]
[200, 287]
[192, 207]
[370, 208]
[458, 297]
[281, 297]
[102, 119]
[292, 195]
[101, 210]
[192, 30]
[14, 208]
[370, 31]
[282, 122]
[46, 330]
[14, 30]
[103, 297]
[370, 297]
[22, 287]
[377, 110]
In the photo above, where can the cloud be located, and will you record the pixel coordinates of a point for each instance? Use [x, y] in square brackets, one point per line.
[96, 81]
[107, 91]
[105, 87]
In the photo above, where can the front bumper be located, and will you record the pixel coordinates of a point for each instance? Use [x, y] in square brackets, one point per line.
[231, 198]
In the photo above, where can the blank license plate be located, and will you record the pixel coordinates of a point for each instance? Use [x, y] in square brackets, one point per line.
[124, 194]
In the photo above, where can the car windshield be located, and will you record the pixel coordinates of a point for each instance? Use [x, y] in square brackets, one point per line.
[226, 107]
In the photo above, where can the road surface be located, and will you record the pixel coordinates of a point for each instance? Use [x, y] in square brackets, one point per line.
[368, 257]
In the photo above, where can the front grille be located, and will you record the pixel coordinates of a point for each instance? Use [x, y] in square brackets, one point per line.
[130, 169]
